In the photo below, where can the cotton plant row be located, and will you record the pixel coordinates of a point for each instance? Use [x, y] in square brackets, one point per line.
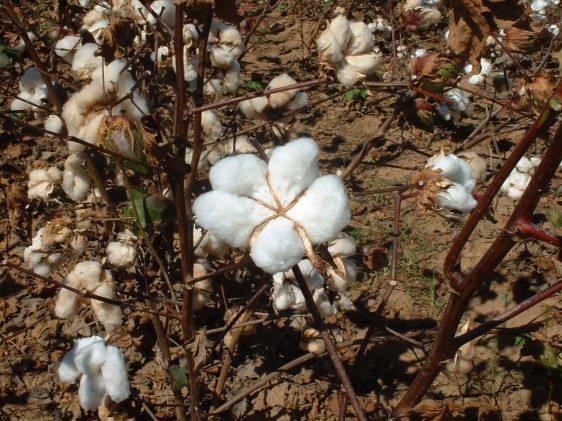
[449, 180]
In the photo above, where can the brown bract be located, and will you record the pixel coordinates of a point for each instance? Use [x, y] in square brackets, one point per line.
[432, 183]
[472, 21]
[116, 39]
[57, 231]
[534, 94]
[526, 37]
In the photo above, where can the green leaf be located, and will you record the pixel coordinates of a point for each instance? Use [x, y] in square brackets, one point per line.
[4, 60]
[179, 377]
[151, 209]
[355, 95]
[252, 85]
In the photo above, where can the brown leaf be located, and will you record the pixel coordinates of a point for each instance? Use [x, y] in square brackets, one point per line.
[473, 21]
[437, 411]
[526, 36]
[197, 346]
[116, 39]
[376, 257]
[226, 10]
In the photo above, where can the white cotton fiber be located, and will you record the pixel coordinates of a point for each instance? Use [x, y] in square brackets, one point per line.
[242, 175]
[109, 315]
[89, 273]
[361, 40]
[454, 169]
[91, 391]
[76, 179]
[85, 58]
[281, 99]
[121, 255]
[68, 302]
[114, 374]
[343, 246]
[323, 211]
[53, 123]
[253, 108]
[283, 296]
[325, 307]
[229, 217]
[292, 168]
[277, 247]
[455, 197]
[68, 372]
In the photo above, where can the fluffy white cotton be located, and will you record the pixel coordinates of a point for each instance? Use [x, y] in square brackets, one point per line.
[103, 371]
[76, 178]
[39, 256]
[232, 78]
[109, 315]
[281, 99]
[229, 217]
[53, 123]
[209, 244]
[254, 108]
[364, 64]
[225, 176]
[68, 302]
[454, 169]
[221, 59]
[65, 47]
[328, 195]
[455, 197]
[122, 253]
[292, 168]
[361, 40]
[88, 274]
[333, 40]
[343, 246]
[278, 246]
[42, 182]
[84, 58]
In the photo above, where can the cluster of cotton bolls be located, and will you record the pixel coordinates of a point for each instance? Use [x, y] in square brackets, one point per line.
[420, 15]
[517, 181]
[540, 8]
[348, 48]
[453, 111]
[41, 255]
[103, 371]
[90, 275]
[279, 209]
[448, 181]
[286, 294]
[260, 108]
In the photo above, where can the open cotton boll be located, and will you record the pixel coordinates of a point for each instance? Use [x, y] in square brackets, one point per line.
[281, 99]
[76, 179]
[254, 108]
[88, 273]
[109, 315]
[85, 58]
[460, 98]
[477, 163]
[166, 9]
[232, 78]
[454, 169]
[68, 302]
[121, 254]
[343, 246]
[361, 40]
[347, 274]
[330, 48]
[225, 176]
[30, 80]
[114, 374]
[278, 246]
[42, 182]
[230, 40]
[283, 296]
[202, 292]
[347, 75]
[364, 64]
[455, 197]
[300, 100]
[209, 244]
[323, 210]
[229, 217]
[525, 166]
[211, 125]
[324, 304]
[53, 123]
[221, 59]
[65, 47]
[292, 168]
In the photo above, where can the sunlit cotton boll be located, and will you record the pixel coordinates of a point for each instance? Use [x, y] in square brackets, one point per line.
[109, 315]
[292, 168]
[229, 217]
[323, 210]
[53, 123]
[455, 197]
[278, 246]
[361, 40]
[42, 182]
[85, 58]
[333, 40]
[454, 169]
[120, 254]
[342, 246]
[76, 178]
[281, 99]
[68, 302]
[66, 46]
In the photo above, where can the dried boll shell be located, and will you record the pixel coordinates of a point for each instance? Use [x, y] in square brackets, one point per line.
[525, 41]
[476, 162]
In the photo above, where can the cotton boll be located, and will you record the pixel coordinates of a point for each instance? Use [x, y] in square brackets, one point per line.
[455, 197]
[364, 64]
[459, 97]
[209, 244]
[42, 182]
[325, 307]
[211, 125]
[225, 176]
[76, 179]
[85, 59]
[330, 47]
[347, 75]
[109, 315]
[454, 169]
[254, 108]
[221, 59]
[231, 40]
[53, 123]
[476, 79]
[361, 40]
[68, 302]
[323, 211]
[91, 391]
[88, 273]
[525, 166]
[279, 100]
[300, 100]
[190, 34]
[477, 163]
[64, 48]
[515, 193]
[283, 296]
[121, 255]
[165, 9]
[30, 80]
[343, 246]
[232, 78]
[229, 217]
[277, 247]
[114, 374]
[292, 168]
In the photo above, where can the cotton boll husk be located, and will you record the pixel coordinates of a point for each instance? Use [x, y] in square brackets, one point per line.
[343, 246]
[121, 255]
[361, 40]
[114, 374]
[455, 197]
[53, 123]
[221, 59]
[64, 48]
[232, 78]
[364, 64]
[212, 127]
[292, 168]
[278, 246]
[323, 211]
[229, 217]
[75, 180]
[253, 108]
[88, 273]
[84, 58]
[109, 315]
[281, 99]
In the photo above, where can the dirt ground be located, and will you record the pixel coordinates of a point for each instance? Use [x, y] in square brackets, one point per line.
[511, 378]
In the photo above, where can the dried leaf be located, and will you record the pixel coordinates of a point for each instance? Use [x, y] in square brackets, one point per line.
[376, 257]
[474, 20]
[437, 411]
[198, 348]
[116, 39]
[526, 36]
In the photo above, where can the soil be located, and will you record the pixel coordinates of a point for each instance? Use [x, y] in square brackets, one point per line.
[510, 378]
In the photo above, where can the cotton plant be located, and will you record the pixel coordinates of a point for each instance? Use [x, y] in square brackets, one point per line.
[264, 107]
[515, 184]
[278, 210]
[102, 371]
[448, 181]
[43, 255]
[91, 276]
[348, 48]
